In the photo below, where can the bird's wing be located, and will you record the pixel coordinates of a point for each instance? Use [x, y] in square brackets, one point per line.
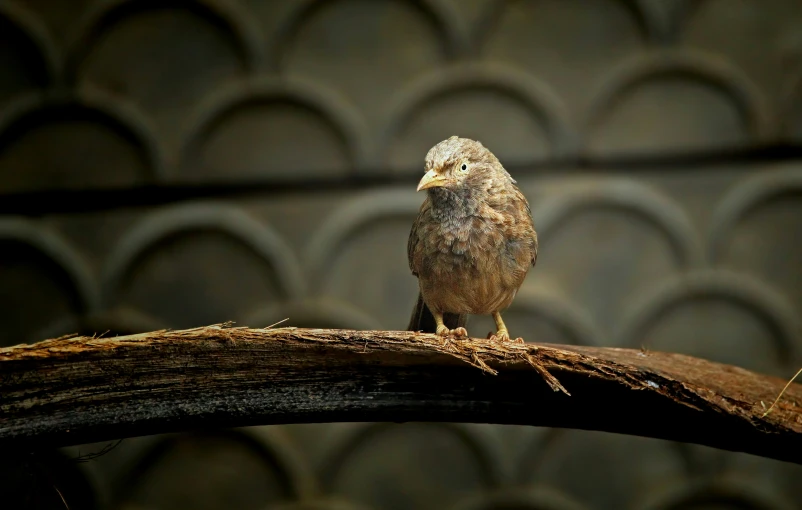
[528, 221]
[414, 240]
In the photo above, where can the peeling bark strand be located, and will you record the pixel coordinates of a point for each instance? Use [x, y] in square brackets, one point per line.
[77, 390]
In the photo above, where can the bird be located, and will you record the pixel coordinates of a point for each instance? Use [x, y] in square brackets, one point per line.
[472, 243]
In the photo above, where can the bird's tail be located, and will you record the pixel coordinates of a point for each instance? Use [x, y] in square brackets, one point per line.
[423, 320]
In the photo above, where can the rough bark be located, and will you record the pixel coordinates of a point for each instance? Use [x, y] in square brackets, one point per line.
[78, 390]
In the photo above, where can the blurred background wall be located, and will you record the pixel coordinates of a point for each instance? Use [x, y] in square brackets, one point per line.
[181, 163]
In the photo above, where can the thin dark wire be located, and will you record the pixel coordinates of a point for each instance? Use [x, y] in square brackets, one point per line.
[37, 203]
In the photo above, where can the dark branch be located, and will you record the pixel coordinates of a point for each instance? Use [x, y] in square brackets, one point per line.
[80, 390]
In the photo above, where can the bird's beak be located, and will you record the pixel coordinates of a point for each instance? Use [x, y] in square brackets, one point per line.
[431, 179]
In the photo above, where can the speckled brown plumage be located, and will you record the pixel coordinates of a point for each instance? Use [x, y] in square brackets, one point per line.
[473, 241]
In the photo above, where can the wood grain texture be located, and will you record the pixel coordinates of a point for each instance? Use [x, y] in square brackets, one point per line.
[75, 390]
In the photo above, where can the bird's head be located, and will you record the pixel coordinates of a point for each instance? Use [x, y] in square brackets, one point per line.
[457, 164]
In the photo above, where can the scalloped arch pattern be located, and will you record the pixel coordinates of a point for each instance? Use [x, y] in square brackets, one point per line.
[132, 93]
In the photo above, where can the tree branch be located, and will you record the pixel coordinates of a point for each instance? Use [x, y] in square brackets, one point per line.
[81, 389]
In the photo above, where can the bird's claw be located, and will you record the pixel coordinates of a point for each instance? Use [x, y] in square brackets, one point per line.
[504, 336]
[460, 332]
[457, 332]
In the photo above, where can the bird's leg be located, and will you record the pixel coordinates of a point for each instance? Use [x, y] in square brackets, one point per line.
[443, 330]
[502, 335]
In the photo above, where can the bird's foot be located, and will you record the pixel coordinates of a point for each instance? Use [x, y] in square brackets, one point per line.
[503, 335]
[457, 332]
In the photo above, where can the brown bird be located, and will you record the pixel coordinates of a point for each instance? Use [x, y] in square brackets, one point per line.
[473, 240]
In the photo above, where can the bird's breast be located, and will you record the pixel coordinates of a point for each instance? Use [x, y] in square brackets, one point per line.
[465, 241]
[464, 268]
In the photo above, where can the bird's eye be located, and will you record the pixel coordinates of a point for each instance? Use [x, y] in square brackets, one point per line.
[464, 167]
